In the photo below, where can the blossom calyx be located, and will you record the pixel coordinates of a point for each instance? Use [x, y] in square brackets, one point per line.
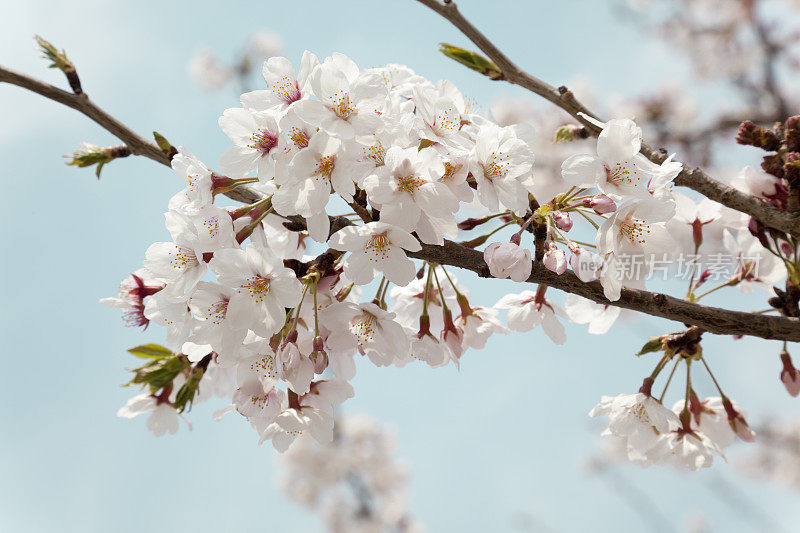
[737, 422]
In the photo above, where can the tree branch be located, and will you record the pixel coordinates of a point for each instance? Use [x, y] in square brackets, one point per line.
[693, 178]
[696, 179]
[712, 319]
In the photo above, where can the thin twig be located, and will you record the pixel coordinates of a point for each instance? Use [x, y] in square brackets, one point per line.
[82, 103]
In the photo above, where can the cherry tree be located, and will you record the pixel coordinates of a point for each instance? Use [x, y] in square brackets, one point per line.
[360, 193]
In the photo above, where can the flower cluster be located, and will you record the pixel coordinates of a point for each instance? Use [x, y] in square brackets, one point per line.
[237, 294]
[686, 436]
[654, 434]
[354, 172]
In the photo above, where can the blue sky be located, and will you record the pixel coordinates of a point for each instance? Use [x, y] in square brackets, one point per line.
[506, 436]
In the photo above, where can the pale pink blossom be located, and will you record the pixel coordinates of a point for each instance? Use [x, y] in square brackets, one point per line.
[508, 260]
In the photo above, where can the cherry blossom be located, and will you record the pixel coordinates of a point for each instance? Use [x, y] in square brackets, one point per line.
[711, 418]
[585, 264]
[367, 328]
[171, 311]
[376, 247]
[790, 376]
[600, 204]
[583, 311]
[208, 229]
[348, 98]
[199, 188]
[209, 308]
[408, 192]
[314, 173]
[694, 215]
[313, 414]
[177, 263]
[431, 350]
[637, 228]
[508, 260]
[639, 419]
[440, 109]
[753, 263]
[619, 169]
[501, 164]
[284, 87]
[529, 309]
[683, 449]
[255, 136]
[255, 401]
[262, 287]
[130, 299]
[478, 326]
[162, 419]
[555, 259]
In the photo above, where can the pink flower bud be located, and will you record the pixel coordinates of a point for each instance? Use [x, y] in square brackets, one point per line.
[585, 264]
[472, 223]
[697, 232]
[555, 259]
[647, 386]
[507, 260]
[601, 204]
[562, 220]
[318, 345]
[758, 231]
[320, 361]
[790, 377]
